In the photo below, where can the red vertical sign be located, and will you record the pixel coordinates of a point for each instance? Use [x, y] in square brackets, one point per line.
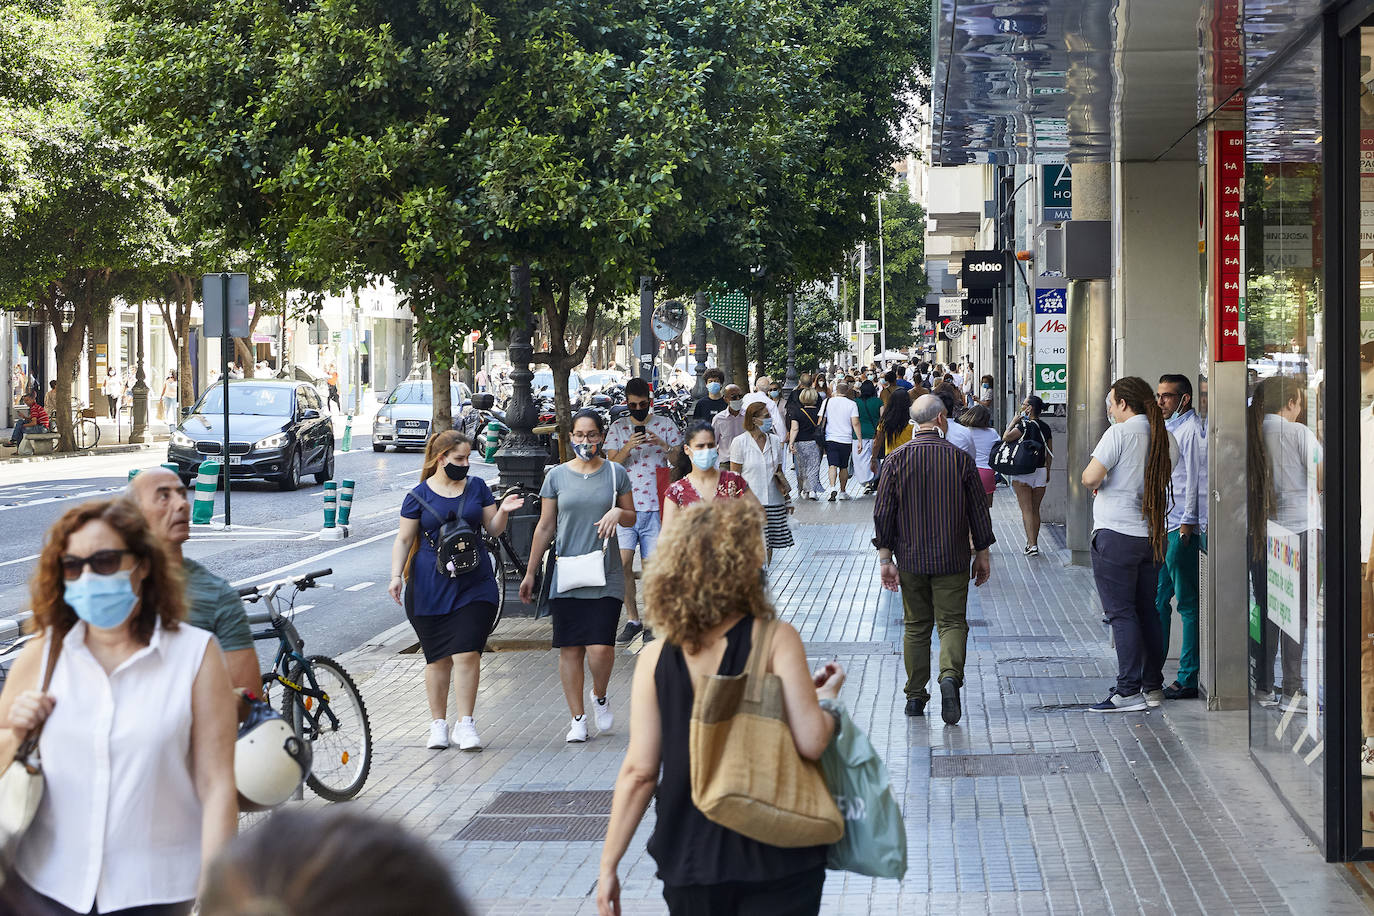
[1228, 186]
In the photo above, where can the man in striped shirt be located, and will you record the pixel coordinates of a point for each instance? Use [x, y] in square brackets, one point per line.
[38, 421]
[930, 504]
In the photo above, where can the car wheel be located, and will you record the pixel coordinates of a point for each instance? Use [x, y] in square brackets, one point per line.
[291, 479]
[327, 473]
[377, 447]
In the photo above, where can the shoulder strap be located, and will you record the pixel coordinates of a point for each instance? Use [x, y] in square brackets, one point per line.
[424, 503]
[757, 664]
[30, 742]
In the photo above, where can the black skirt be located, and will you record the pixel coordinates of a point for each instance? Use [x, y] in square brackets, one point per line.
[463, 630]
[584, 621]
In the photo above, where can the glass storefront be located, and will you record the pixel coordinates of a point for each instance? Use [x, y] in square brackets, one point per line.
[1364, 429]
[1285, 433]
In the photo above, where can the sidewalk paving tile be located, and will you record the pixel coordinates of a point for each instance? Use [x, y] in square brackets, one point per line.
[1148, 832]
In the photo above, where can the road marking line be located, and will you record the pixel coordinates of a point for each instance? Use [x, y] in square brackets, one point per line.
[309, 561]
[49, 500]
[20, 560]
[360, 586]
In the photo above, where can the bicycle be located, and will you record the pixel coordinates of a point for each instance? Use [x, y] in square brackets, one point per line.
[85, 431]
[504, 554]
[319, 698]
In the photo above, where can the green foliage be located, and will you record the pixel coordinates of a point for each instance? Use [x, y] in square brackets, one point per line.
[817, 317]
[904, 254]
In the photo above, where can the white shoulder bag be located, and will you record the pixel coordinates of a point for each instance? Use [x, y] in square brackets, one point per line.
[586, 570]
[21, 783]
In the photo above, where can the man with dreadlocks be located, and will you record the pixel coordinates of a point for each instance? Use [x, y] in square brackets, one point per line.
[1131, 476]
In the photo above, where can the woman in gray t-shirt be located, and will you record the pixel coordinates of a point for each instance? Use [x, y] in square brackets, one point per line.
[582, 503]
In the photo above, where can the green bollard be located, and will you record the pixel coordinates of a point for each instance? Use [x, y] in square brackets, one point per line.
[348, 434]
[491, 440]
[345, 501]
[207, 481]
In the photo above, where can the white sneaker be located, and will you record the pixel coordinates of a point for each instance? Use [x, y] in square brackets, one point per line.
[466, 733]
[578, 732]
[438, 735]
[844, 494]
[601, 710]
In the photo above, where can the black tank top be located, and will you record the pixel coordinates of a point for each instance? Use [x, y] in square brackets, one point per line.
[688, 848]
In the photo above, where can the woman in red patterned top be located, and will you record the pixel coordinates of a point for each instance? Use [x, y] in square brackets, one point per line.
[706, 481]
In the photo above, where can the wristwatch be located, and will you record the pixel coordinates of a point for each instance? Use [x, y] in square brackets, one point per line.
[886, 562]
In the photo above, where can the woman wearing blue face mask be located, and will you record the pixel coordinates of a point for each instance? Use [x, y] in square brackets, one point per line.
[452, 613]
[758, 455]
[705, 482]
[582, 502]
[135, 717]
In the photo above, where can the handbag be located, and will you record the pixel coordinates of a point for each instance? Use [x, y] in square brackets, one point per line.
[874, 841]
[1020, 457]
[586, 570]
[21, 784]
[746, 773]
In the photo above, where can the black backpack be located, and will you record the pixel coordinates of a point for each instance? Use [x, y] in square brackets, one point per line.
[457, 544]
[1022, 456]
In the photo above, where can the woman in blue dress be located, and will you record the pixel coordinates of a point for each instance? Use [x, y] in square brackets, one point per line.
[451, 615]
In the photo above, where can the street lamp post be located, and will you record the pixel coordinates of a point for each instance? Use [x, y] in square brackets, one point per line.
[699, 307]
[138, 426]
[521, 459]
[648, 346]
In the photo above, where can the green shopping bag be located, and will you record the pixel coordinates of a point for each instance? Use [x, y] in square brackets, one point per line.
[874, 841]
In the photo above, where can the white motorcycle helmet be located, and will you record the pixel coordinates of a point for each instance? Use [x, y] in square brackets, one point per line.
[270, 759]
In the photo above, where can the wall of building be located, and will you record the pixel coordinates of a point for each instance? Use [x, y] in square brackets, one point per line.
[1156, 290]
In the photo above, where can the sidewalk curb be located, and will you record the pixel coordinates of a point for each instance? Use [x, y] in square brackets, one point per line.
[97, 451]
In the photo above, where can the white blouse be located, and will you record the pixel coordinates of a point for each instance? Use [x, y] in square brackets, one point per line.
[757, 465]
[119, 825]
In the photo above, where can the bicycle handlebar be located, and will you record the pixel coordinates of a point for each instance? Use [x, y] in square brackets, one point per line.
[301, 583]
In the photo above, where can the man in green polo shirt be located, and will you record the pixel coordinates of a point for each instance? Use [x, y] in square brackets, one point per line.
[211, 602]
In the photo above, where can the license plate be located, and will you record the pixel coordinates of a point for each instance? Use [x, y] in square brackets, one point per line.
[236, 459]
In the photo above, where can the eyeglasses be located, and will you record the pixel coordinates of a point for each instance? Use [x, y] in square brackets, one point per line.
[1165, 395]
[637, 405]
[102, 563]
[586, 437]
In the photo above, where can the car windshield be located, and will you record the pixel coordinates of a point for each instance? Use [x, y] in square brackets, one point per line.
[423, 393]
[544, 379]
[257, 400]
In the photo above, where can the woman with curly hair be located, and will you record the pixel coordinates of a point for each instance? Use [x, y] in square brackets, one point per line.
[708, 620]
[134, 716]
[1130, 475]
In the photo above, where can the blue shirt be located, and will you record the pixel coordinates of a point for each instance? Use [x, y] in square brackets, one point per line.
[1189, 486]
[428, 592]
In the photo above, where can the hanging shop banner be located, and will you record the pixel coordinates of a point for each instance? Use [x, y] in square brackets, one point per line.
[983, 269]
[730, 309]
[1056, 192]
[1283, 575]
[1228, 184]
[1051, 340]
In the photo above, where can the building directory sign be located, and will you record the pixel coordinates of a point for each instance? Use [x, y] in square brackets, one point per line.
[1051, 340]
[1056, 192]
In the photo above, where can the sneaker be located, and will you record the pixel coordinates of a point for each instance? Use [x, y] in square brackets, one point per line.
[1033, 550]
[1266, 698]
[844, 494]
[466, 733]
[1367, 758]
[1117, 703]
[601, 711]
[832, 496]
[578, 731]
[648, 635]
[628, 632]
[1177, 691]
[438, 735]
[1026, 550]
[814, 496]
[1154, 698]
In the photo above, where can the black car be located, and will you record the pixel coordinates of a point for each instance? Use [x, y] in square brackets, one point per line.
[278, 430]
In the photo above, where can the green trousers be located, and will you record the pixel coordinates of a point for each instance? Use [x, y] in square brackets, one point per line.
[940, 602]
[1178, 578]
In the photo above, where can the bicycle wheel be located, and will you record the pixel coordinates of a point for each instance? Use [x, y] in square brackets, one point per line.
[342, 754]
[86, 433]
[500, 569]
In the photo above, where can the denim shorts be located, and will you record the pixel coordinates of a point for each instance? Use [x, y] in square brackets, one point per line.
[643, 534]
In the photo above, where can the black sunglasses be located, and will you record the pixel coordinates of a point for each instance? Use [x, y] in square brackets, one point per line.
[102, 563]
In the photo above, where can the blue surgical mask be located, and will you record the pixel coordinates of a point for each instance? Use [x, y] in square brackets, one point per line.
[713, 388]
[766, 425]
[586, 450]
[705, 458]
[102, 601]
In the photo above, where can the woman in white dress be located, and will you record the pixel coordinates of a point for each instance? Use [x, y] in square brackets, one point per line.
[758, 455]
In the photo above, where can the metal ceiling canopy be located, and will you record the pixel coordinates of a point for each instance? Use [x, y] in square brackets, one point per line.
[1086, 80]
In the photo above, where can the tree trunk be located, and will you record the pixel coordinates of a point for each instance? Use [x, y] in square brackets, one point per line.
[442, 416]
[68, 351]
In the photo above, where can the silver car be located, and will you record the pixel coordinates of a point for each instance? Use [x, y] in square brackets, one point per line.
[403, 421]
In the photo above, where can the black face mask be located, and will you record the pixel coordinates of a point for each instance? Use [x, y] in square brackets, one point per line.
[639, 413]
[456, 471]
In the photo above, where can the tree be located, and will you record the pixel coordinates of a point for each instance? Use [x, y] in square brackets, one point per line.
[817, 317]
[904, 254]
